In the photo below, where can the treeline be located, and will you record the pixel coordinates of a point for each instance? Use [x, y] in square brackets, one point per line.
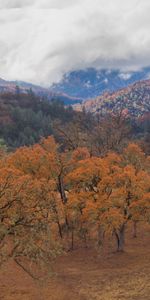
[52, 200]
[25, 118]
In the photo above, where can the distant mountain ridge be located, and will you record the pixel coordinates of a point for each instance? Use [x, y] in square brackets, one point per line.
[133, 100]
[90, 83]
[78, 86]
[24, 87]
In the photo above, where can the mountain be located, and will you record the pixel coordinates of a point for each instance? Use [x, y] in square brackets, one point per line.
[78, 86]
[24, 87]
[133, 100]
[90, 83]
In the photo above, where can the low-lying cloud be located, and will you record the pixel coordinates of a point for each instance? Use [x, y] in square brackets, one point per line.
[40, 40]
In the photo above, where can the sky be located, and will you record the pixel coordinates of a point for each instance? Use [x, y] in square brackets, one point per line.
[40, 40]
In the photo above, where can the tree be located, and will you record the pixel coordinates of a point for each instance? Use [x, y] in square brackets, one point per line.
[110, 133]
[27, 193]
[48, 197]
[109, 191]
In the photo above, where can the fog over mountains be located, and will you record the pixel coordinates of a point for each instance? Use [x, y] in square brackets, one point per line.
[73, 50]
[90, 83]
[41, 40]
[80, 85]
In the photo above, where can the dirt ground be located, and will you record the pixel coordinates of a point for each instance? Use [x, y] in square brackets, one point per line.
[87, 274]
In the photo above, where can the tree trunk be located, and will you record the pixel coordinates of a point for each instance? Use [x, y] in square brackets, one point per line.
[57, 221]
[62, 195]
[101, 235]
[72, 238]
[134, 229]
[61, 189]
[120, 238]
[59, 230]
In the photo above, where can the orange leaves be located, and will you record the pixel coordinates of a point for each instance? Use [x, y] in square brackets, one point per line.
[141, 208]
[43, 188]
[135, 156]
[49, 144]
[80, 154]
[87, 173]
[112, 219]
[28, 179]
[108, 190]
[113, 158]
[133, 150]
[29, 201]
[37, 160]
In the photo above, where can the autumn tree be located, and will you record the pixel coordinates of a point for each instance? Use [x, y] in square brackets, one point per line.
[28, 195]
[110, 133]
[108, 191]
[45, 161]
[48, 197]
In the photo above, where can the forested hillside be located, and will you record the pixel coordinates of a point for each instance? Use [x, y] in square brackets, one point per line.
[25, 118]
[134, 100]
[21, 87]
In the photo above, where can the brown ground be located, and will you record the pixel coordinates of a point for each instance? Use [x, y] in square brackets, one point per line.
[86, 274]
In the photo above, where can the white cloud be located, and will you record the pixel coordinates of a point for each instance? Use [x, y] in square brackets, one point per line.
[59, 4]
[42, 39]
[125, 76]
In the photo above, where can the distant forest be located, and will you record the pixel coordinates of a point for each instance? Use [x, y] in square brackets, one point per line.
[26, 118]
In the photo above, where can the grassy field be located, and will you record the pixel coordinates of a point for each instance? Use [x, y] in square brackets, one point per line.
[87, 274]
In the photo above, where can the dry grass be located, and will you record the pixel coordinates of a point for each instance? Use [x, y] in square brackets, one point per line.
[86, 274]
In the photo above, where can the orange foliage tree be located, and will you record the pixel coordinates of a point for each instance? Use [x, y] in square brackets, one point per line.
[45, 194]
[111, 191]
[29, 207]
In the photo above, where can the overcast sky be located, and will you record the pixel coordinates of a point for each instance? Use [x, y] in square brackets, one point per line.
[40, 40]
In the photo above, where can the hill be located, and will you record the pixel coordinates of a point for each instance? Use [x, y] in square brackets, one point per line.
[133, 100]
[25, 118]
[17, 87]
[80, 85]
[90, 83]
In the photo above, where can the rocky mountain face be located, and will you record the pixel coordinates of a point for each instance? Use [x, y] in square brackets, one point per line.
[90, 83]
[133, 100]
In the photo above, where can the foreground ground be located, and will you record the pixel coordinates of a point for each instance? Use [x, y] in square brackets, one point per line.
[86, 274]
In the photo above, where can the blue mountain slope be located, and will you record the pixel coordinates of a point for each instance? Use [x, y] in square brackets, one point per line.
[90, 83]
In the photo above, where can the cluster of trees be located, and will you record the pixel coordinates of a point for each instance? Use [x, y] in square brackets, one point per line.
[25, 118]
[50, 199]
